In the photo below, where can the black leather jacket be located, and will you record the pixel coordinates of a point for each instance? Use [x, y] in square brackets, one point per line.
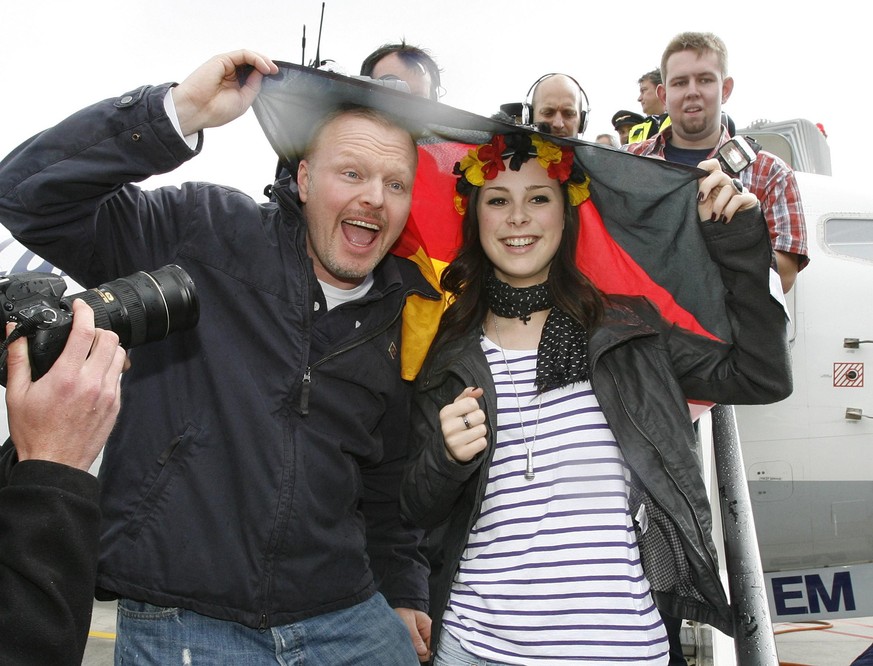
[642, 370]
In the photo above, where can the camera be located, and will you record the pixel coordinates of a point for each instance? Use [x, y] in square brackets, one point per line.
[143, 307]
[735, 155]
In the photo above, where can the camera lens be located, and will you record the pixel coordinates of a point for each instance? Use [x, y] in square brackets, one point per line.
[144, 307]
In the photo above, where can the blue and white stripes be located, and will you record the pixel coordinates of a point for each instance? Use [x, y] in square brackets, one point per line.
[551, 573]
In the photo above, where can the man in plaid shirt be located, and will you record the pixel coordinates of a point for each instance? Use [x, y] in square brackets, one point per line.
[695, 85]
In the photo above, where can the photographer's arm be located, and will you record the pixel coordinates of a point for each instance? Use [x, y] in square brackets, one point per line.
[49, 516]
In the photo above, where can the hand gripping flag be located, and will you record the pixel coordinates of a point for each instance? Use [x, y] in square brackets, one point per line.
[639, 229]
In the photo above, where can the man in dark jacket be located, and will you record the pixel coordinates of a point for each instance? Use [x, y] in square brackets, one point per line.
[252, 483]
[49, 518]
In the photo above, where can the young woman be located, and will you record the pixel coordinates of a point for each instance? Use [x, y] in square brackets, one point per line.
[554, 461]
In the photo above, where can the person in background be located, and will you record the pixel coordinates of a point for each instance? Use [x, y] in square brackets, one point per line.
[696, 85]
[653, 108]
[410, 64]
[553, 458]
[608, 139]
[623, 121]
[49, 515]
[648, 99]
[557, 100]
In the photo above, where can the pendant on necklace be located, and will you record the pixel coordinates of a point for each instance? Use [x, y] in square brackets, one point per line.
[529, 470]
[529, 466]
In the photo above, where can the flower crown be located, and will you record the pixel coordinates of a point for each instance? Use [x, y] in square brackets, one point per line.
[485, 161]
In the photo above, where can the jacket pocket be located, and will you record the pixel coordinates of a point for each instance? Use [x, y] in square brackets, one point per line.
[663, 557]
[157, 483]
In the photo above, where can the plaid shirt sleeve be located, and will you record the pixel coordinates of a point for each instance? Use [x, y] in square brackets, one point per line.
[648, 148]
[773, 182]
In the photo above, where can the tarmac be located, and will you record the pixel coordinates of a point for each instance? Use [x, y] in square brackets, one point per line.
[832, 643]
[825, 643]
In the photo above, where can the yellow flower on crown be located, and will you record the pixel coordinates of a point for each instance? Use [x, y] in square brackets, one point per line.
[578, 193]
[471, 165]
[547, 152]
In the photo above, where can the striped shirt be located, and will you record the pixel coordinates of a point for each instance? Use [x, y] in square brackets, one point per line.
[551, 573]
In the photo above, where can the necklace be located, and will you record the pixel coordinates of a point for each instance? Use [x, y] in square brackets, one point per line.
[528, 445]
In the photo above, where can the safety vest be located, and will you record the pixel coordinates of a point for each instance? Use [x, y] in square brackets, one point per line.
[649, 127]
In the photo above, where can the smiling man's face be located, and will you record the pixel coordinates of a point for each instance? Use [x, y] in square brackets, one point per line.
[693, 92]
[356, 187]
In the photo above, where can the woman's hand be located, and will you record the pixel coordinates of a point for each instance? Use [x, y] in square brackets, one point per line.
[463, 426]
[720, 196]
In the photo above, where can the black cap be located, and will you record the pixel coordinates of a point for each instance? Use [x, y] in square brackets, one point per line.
[623, 117]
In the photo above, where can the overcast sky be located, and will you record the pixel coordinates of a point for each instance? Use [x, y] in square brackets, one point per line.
[788, 62]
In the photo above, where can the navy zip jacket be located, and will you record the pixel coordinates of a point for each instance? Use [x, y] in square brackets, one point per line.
[254, 472]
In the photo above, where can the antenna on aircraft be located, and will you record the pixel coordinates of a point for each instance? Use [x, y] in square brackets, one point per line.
[303, 47]
[318, 45]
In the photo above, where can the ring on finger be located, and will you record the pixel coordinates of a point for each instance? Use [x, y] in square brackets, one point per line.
[738, 185]
[466, 422]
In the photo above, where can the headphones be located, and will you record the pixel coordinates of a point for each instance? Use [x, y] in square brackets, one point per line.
[584, 106]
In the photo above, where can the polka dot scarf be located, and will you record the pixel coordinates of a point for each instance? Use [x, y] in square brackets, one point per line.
[562, 355]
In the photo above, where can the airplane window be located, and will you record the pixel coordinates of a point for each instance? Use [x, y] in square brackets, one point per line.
[850, 237]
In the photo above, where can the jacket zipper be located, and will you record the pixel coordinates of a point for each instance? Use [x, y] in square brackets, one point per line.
[675, 483]
[306, 381]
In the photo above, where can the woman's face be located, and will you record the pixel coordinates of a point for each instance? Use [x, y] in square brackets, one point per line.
[521, 219]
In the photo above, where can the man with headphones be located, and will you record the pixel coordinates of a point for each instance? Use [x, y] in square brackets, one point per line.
[558, 101]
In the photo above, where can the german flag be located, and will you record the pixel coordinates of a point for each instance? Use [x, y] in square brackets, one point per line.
[639, 230]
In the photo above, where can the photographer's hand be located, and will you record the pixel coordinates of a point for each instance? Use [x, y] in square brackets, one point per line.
[67, 414]
[212, 95]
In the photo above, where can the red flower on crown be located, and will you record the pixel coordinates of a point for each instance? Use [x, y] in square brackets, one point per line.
[561, 171]
[491, 155]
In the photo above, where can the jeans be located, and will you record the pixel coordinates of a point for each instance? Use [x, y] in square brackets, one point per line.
[450, 653]
[369, 633]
